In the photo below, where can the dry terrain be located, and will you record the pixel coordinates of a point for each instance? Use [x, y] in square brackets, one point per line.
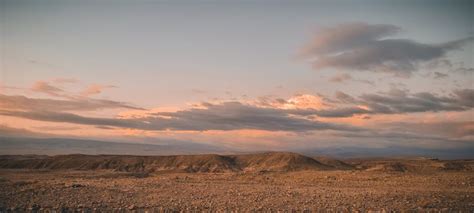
[268, 181]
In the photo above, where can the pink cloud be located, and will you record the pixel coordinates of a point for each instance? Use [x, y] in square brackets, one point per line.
[95, 89]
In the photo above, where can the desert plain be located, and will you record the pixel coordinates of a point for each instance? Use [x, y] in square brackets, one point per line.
[255, 182]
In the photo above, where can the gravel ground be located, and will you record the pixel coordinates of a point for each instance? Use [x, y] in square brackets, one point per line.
[305, 190]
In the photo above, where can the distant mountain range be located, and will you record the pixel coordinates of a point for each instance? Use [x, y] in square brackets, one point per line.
[57, 146]
[391, 152]
[10, 145]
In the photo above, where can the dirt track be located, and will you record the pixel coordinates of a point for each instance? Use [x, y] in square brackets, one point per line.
[303, 190]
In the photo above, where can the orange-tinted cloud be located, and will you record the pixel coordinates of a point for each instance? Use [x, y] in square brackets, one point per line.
[47, 88]
[95, 89]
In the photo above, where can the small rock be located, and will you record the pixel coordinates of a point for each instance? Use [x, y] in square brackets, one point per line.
[76, 185]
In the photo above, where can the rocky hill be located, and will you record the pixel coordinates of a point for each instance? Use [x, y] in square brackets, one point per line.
[260, 162]
[273, 161]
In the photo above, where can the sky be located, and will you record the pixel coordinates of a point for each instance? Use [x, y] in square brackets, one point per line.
[247, 75]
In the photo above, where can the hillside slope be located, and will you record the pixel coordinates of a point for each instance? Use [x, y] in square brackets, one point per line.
[273, 161]
[261, 162]
[278, 161]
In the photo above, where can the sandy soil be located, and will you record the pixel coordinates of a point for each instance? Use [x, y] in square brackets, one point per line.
[300, 190]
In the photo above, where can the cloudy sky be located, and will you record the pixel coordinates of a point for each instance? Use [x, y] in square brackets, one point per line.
[249, 75]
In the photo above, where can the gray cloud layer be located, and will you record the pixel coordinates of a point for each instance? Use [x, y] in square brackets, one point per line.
[237, 115]
[393, 102]
[226, 116]
[398, 101]
[19, 102]
[361, 46]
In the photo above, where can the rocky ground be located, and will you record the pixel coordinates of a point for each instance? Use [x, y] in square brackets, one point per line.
[240, 191]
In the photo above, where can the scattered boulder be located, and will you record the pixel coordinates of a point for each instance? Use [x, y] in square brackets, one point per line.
[77, 185]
